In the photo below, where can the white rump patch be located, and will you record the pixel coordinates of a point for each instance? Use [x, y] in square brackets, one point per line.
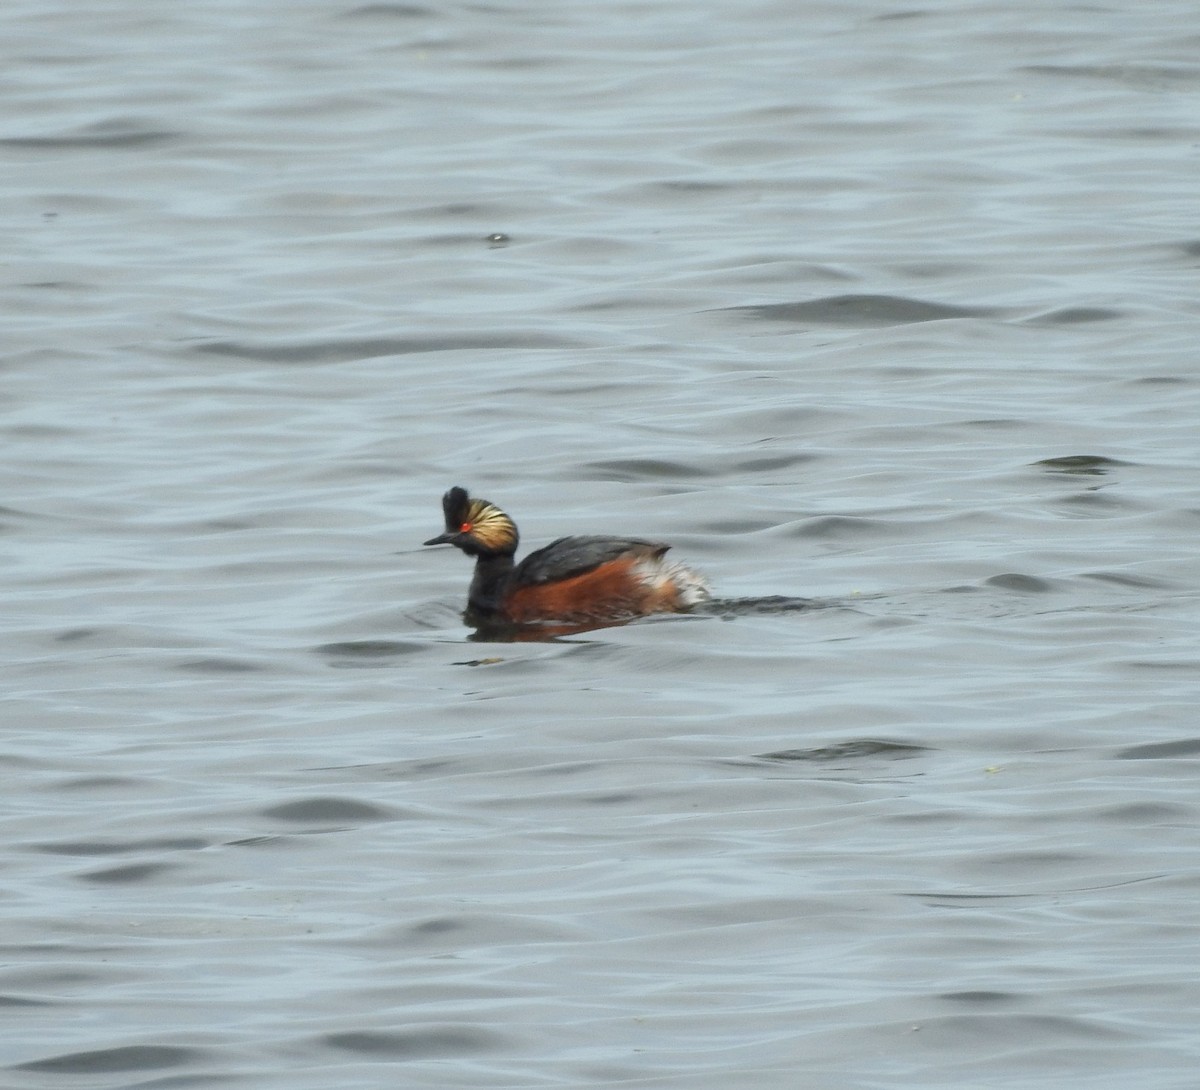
[691, 586]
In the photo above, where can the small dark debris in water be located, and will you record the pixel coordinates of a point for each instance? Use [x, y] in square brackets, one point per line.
[1027, 584]
[480, 662]
[1087, 465]
[498, 239]
[842, 751]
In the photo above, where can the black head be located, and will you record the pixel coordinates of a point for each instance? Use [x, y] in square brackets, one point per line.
[477, 527]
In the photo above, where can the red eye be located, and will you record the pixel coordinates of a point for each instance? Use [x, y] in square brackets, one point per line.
[465, 528]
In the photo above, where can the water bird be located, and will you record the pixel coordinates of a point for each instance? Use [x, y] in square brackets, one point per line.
[585, 580]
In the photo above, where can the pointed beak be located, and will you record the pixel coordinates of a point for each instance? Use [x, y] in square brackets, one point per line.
[442, 539]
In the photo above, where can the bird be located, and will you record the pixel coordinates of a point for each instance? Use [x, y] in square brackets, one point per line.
[585, 580]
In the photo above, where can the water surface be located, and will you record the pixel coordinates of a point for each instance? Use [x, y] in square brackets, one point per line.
[887, 310]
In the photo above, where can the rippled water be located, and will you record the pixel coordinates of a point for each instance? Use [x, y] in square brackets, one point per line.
[888, 310]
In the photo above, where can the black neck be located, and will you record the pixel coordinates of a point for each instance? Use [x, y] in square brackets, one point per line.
[487, 585]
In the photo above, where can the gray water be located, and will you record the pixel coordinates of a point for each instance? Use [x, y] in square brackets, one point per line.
[885, 316]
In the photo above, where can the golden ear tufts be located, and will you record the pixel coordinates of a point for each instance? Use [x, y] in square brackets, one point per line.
[490, 526]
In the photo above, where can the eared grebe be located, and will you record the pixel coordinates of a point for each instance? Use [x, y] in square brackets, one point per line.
[574, 580]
